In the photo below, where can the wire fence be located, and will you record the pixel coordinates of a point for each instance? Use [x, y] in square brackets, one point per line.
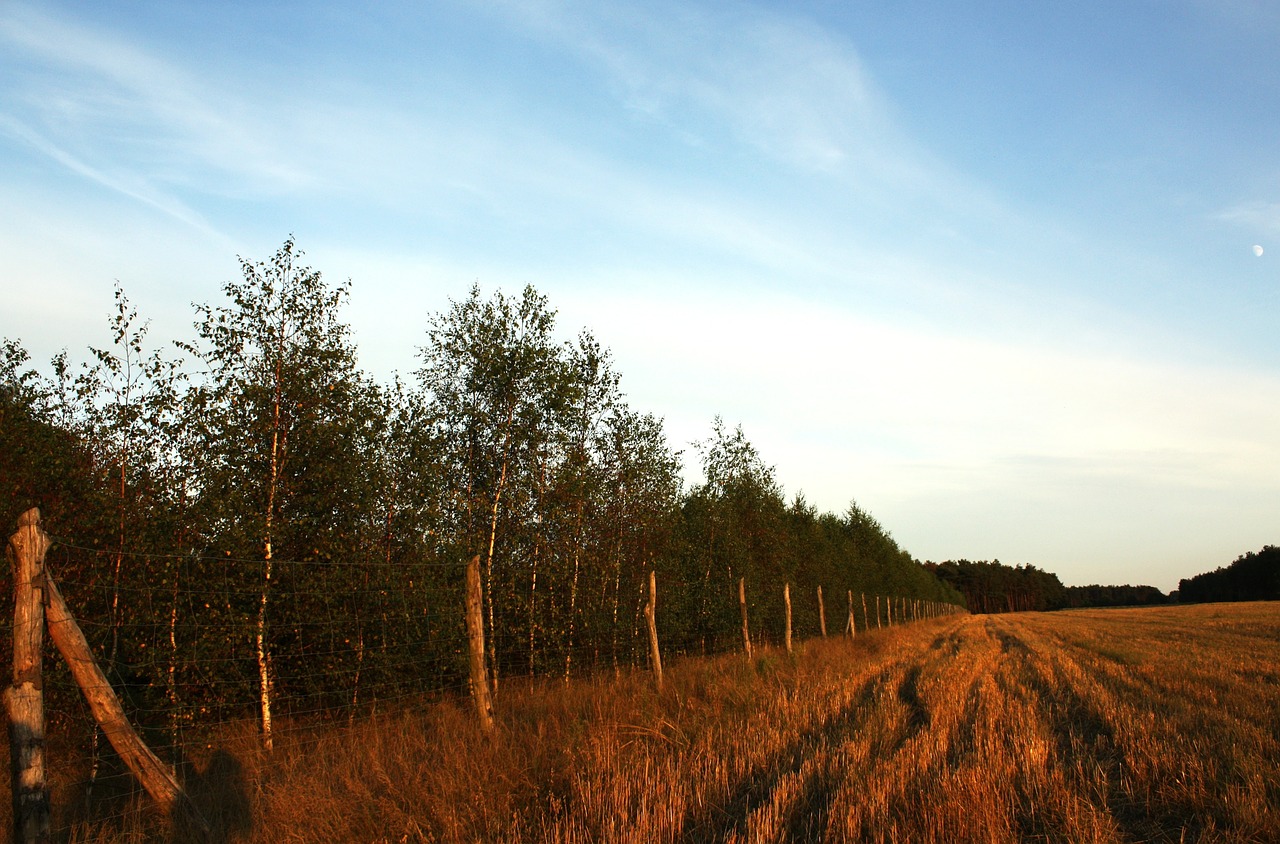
[178, 640]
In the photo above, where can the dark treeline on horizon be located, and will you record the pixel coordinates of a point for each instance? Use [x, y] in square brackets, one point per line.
[993, 587]
[1252, 577]
[249, 510]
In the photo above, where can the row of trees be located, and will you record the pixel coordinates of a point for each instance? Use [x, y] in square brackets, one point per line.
[252, 510]
[1095, 595]
[993, 587]
[1252, 577]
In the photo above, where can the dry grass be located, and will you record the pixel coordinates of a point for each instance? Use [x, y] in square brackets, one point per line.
[1116, 725]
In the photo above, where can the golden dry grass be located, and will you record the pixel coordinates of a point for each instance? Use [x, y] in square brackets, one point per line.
[1087, 726]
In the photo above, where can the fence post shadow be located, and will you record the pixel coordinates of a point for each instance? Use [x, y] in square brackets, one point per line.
[221, 794]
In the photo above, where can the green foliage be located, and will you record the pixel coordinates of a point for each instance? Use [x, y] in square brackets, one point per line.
[44, 459]
[259, 492]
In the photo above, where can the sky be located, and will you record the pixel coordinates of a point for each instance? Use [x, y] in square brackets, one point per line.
[987, 268]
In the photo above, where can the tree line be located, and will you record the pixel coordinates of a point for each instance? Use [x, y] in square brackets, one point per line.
[1252, 577]
[249, 509]
[993, 587]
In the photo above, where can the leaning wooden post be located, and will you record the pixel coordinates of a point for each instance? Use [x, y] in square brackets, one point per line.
[650, 611]
[822, 615]
[877, 612]
[156, 777]
[24, 700]
[853, 628]
[742, 604]
[475, 637]
[866, 619]
[786, 599]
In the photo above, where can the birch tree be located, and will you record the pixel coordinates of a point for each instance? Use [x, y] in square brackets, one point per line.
[277, 406]
[493, 377]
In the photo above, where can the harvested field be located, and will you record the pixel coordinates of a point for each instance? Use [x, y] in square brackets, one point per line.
[1111, 725]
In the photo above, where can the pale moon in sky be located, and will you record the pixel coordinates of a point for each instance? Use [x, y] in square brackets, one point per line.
[1257, 250]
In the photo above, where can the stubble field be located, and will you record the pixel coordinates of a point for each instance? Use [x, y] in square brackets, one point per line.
[1157, 724]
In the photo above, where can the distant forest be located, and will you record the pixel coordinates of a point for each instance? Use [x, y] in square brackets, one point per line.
[1253, 577]
[993, 587]
[247, 508]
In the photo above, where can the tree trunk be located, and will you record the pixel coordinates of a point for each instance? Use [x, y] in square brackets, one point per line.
[822, 615]
[786, 599]
[493, 538]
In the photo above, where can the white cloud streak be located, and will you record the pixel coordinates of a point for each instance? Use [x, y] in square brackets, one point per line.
[112, 111]
[1259, 216]
[787, 88]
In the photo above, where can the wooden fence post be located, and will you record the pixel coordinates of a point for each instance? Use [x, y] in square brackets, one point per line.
[853, 628]
[650, 612]
[786, 599]
[156, 777]
[866, 623]
[742, 603]
[822, 615]
[475, 638]
[24, 700]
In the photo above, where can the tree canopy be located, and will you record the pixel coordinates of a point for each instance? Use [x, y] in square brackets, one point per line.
[249, 510]
[1252, 577]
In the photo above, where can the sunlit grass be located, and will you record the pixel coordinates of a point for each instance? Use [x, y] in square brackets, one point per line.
[1117, 725]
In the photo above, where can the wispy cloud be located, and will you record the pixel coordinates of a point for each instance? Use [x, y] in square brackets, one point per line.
[1262, 217]
[787, 88]
[110, 110]
[125, 183]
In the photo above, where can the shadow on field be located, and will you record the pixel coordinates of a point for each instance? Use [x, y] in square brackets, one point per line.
[220, 794]
[909, 693]
[809, 815]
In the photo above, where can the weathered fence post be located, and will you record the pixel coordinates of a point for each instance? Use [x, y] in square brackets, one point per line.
[742, 603]
[866, 622]
[853, 628]
[877, 612]
[650, 615]
[475, 638]
[156, 777]
[822, 615]
[786, 599]
[24, 700]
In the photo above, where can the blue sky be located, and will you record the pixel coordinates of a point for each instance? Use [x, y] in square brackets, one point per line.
[987, 268]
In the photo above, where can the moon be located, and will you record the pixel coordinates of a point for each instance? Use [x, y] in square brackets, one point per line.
[1257, 250]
